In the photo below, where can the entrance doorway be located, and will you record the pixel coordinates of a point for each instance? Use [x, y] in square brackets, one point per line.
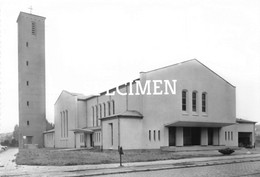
[244, 139]
[172, 136]
[210, 136]
[29, 139]
[191, 136]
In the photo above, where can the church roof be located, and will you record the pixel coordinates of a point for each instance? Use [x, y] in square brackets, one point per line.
[184, 62]
[239, 120]
[78, 95]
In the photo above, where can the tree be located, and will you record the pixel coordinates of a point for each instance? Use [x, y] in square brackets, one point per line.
[49, 125]
[16, 132]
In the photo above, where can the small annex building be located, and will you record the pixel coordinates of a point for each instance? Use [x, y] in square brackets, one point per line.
[201, 112]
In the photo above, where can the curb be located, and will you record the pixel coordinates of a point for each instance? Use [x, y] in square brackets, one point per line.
[170, 166]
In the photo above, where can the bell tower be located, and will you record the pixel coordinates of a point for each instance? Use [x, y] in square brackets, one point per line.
[31, 77]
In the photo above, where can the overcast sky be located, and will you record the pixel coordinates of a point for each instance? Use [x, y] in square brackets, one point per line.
[93, 45]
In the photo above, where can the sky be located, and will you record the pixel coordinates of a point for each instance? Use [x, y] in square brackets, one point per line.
[94, 45]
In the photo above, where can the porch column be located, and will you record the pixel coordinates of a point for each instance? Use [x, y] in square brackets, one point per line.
[179, 136]
[216, 136]
[204, 137]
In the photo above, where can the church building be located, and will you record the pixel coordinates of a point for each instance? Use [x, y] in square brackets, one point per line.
[201, 112]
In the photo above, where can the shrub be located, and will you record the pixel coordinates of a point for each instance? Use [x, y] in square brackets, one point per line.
[226, 151]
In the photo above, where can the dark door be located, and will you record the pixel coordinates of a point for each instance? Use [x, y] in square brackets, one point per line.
[91, 140]
[191, 136]
[210, 136]
[172, 134]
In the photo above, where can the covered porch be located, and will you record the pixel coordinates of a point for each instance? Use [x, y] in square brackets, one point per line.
[83, 137]
[188, 133]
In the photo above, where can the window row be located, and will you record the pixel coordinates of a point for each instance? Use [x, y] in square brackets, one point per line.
[194, 101]
[64, 124]
[81, 138]
[154, 138]
[228, 136]
[102, 110]
[97, 137]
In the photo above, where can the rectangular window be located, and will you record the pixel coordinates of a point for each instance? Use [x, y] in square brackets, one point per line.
[154, 135]
[27, 44]
[111, 129]
[104, 104]
[226, 136]
[27, 63]
[93, 115]
[232, 136]
[61, 124]
[27, 83]
[28, 103]
[28, 123]
[108, 107]
[159, 135]
[33, 28]
[67, 125]
[194, 101]
[203, 102]
[184, 100]
[96, 115]
[149, 135]
[100, 110]
[64, 124]
[113, 107]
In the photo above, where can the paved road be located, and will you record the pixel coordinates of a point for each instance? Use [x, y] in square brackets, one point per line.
[7, 158]
[246, 169]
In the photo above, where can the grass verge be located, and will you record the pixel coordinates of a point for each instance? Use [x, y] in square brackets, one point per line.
[82, 157]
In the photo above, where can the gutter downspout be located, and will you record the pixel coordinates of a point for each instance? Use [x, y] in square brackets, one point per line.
[118, 121]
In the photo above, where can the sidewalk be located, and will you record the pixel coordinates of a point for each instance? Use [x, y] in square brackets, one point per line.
[109, 169]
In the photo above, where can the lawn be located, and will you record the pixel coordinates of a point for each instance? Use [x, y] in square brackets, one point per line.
[81, 157]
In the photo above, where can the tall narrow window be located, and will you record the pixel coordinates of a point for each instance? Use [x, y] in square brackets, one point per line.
[194, 101]
[64, 130]
[93, 115]
[226, 136]
[204, 99]
[159, 135]
[113, 107]
[108, 107]
[27, 63]
[111, 129]
[28, 123]
[67, 124]
[154, 135]
[149, 135]
[184, 100]
[104, 104]
[232, 136]
[96, 115]
[27, 44]
[61, 122]
[28, 104]
[33, 28]
[100, 110]
[27, 83]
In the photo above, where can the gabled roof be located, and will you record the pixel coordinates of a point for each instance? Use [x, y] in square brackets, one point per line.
[184, 62]
[49, 131]
[239, 120]
[78, 95]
